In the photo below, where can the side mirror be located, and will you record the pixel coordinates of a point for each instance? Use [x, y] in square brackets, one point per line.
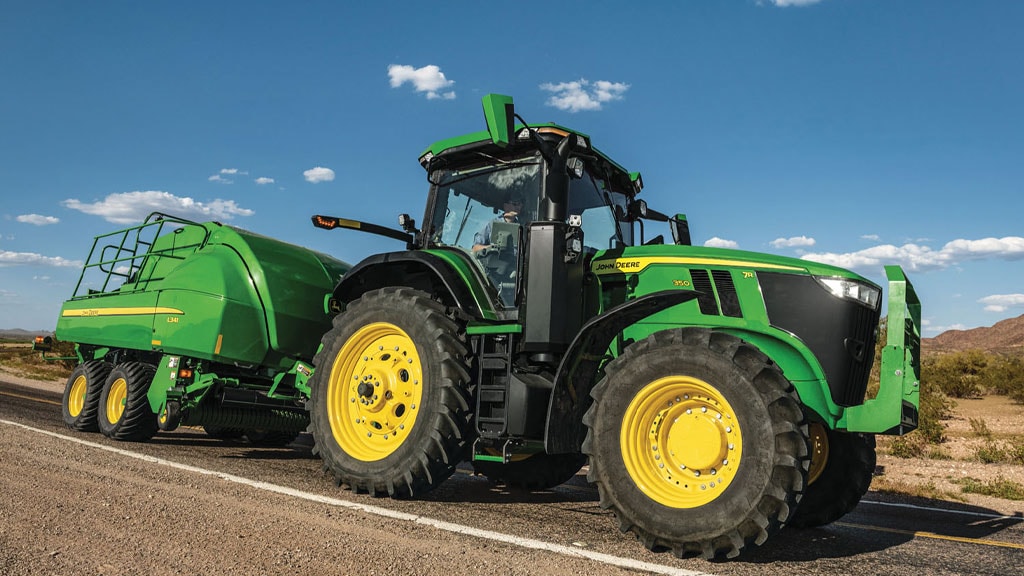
[500, 116]
[680, 230]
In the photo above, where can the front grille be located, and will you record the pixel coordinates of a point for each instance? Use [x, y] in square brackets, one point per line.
[840, 333]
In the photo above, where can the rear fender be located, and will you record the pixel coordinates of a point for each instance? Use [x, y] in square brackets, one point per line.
[444, 274]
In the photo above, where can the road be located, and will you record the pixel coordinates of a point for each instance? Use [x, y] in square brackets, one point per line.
[183, 503]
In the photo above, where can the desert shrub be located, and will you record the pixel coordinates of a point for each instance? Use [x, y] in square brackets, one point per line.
[1005, 375]
[910, 446]
[980, 427]
[960, 374]
[934, 407]
[1000, 488]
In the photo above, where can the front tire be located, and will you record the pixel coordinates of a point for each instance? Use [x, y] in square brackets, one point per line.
[389, 408]
[81, 400]
[842, 464]
[697, 443]
[124, 408]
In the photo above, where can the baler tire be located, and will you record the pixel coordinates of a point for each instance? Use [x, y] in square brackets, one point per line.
[536, 472]
[404, 356]
[697, 443]
[81, 401]
[125, 413]
[843, 480]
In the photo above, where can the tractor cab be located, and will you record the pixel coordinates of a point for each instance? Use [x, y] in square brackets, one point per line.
[485, 205]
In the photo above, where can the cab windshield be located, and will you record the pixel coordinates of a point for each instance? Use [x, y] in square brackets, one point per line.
[469, 200]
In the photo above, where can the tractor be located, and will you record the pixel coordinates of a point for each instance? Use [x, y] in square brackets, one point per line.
[531, 327]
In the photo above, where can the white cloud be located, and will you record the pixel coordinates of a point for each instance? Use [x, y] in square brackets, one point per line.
[920, 258]
[264, 180]
[930, 330]
[583, 94]
[38, 219]
[318, 174]
[1001, 302]
[427, 79]
[231, 171]
[794, 242]
[872, 237]
[717, 242]
[33, 259]
[220, 179]
[133, 207]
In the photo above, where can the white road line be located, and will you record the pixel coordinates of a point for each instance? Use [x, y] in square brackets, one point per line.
[944, 510]
[627, 563]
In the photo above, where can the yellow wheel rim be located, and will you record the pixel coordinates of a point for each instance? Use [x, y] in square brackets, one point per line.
[76, 398]
[819, 451]
[116, 399]
[681, 442]
[374, 391]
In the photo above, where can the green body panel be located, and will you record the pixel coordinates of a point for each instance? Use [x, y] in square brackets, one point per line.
[636, 271]
[210, 292]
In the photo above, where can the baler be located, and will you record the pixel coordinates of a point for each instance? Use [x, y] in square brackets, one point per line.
[180, 322]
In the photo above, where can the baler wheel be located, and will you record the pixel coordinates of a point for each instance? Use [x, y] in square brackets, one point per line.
[81, 401]
[535, 472]
[125, 413]
[844, 462]
[389, 408]
[697, 443]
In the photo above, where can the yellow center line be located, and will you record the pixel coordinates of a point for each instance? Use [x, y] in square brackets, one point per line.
[32, 398]
[920, 534]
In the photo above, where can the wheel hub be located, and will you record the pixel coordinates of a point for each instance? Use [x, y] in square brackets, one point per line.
[681, 441]
[374, 391]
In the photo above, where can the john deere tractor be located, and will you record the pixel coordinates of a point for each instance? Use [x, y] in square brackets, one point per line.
[531, 327]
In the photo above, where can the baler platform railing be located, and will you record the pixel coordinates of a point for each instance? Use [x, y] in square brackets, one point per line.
[126, 260]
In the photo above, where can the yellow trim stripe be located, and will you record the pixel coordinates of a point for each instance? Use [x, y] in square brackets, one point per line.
[220, 340]
[919, 534]
[125, 311]
[621, 265]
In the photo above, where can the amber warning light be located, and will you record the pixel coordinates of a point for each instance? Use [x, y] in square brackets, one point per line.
[326, 222]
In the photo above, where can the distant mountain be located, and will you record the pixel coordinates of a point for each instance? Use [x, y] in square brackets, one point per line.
[19, 334]
[1006, 336]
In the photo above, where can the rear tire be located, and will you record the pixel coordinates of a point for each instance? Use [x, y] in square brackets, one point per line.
[535, 472]
[844, 463]
[697, 443]
[124, 408]
[81, 401]
[390, 402]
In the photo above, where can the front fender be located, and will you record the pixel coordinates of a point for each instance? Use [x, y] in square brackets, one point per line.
[570, 396]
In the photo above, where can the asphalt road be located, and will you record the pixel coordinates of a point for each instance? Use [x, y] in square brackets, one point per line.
[184, 492]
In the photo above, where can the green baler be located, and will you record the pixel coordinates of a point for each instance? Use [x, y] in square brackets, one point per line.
[199, 323]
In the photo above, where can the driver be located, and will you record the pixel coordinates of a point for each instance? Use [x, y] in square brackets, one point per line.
[510, 213]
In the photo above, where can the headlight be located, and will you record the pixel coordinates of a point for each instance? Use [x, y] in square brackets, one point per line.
[866, 294]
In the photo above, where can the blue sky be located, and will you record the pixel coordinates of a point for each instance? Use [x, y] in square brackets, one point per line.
[855, 132]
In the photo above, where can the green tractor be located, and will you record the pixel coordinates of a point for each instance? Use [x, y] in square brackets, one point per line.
[178, 322]
[530, 326]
